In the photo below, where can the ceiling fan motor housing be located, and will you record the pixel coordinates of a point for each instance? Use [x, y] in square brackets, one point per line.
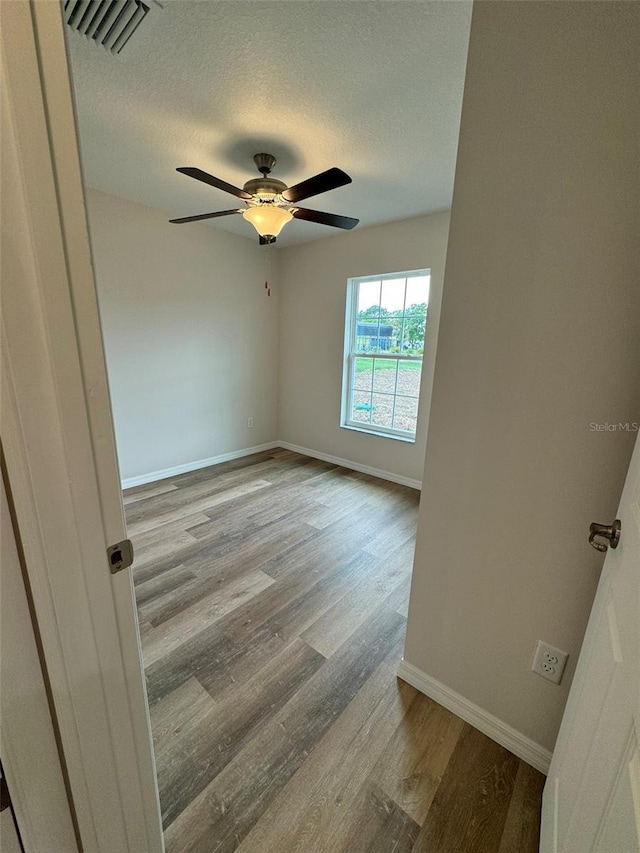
[264, 189]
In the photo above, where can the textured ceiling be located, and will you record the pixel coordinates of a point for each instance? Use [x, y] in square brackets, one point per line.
[371, 86]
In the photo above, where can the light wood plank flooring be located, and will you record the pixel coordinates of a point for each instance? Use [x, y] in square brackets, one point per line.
[272, 595]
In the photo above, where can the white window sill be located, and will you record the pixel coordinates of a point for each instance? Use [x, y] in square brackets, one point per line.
[407, 439]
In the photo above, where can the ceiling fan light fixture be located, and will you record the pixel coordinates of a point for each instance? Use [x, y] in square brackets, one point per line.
[267, 219]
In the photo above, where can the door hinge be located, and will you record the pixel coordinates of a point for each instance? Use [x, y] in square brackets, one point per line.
[120, 555]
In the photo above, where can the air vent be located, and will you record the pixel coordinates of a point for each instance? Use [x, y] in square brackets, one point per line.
[110, 23]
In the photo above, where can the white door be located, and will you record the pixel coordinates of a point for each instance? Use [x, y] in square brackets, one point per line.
[28, 750]
[58, 443]
[591, 800]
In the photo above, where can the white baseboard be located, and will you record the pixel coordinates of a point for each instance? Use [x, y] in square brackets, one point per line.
[526, 749]
[354, 466]
[194, 466]
[152, 476]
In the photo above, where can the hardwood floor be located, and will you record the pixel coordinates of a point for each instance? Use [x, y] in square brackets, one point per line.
[272, 595]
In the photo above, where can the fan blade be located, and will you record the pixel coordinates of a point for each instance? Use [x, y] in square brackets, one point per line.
[329, 180]
[333, 219]
[206, 178]
[203, 216]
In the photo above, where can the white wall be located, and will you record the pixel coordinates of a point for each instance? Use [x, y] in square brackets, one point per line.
[539, 337]
[190, 336]
[313, 285]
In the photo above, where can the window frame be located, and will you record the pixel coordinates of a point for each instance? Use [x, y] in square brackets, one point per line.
[350, 354]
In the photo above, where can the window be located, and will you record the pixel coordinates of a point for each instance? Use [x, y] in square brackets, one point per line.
[384, 345]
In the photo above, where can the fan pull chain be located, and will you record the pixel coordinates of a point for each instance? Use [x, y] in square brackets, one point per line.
[269, 265]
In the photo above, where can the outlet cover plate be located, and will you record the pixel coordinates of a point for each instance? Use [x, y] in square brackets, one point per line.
[549, 662]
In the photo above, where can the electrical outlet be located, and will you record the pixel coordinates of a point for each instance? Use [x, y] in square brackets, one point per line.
[549, 662]
[249, 423]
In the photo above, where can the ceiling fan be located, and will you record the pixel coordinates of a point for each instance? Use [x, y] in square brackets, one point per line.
[270, 203]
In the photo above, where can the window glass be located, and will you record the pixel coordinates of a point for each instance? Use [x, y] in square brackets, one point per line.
[385, 331]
